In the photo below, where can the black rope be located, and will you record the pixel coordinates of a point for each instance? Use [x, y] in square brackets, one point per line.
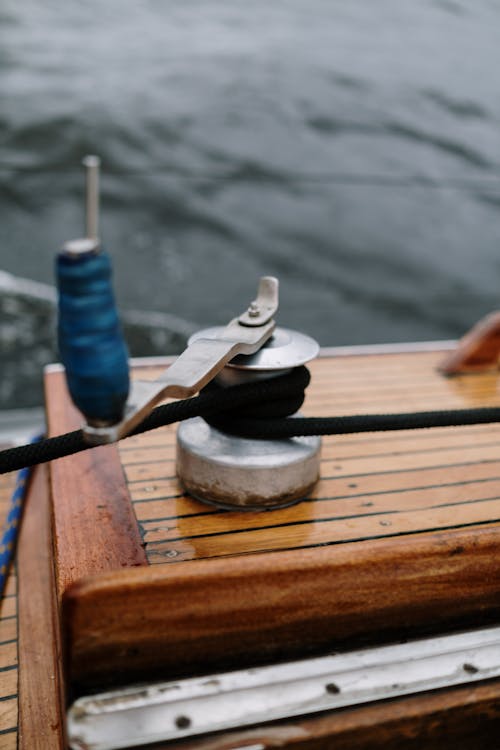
[259, 409]
[306, 426]
[210, 402]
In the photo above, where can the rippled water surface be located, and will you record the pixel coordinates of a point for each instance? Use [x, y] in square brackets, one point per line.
[350, 148]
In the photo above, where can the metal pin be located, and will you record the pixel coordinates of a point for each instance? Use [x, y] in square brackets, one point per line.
[254, 309]
[92, 164]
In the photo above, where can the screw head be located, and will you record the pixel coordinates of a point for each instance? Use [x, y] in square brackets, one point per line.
[253, 309]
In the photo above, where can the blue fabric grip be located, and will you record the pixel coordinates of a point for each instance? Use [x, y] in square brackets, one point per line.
[91, 342]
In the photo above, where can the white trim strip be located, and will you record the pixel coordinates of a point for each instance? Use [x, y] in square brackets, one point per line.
[402, 348]
[175, 710]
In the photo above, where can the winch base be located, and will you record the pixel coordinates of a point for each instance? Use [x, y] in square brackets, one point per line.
[243, 474]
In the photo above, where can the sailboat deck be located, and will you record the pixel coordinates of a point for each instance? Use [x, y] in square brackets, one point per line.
[375, 488]
[373, 485]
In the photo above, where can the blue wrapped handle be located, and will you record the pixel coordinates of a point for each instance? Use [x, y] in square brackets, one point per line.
[91, 342]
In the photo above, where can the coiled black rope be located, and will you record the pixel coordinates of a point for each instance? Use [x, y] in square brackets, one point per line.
[287, 388]
[259, 409]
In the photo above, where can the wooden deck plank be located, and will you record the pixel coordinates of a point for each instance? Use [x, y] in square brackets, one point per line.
[378, 443]
[8, 608]
[351, 464]
[228, 613]
[8, 655]
[8, 631]
[169, 528]
[40, 696]
[293, 538]
[8, 740]
[420, 508]
[372, 485]
[8, 639]
[94, 526]
[9, 683]
[409, 464]
[8, 713]
[153, 502]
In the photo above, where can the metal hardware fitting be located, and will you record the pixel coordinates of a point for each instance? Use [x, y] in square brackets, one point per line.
[92, 165]
[262, 309]
[195, 367]
[175, 710]
[244, 474]
[90, 243]
[82, 246]
[285, 350]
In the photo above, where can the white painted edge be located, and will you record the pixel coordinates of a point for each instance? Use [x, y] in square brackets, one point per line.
[398, 348]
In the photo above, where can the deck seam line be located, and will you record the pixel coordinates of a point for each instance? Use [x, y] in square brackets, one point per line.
[326, 498]
[485, 524]
[410, 469]
[323, 520]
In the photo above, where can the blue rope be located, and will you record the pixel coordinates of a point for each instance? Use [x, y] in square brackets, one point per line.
[12, 523]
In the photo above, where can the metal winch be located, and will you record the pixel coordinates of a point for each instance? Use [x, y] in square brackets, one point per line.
[231, 472]
[234, 472]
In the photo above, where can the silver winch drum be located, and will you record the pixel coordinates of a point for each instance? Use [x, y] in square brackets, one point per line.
[249, 474]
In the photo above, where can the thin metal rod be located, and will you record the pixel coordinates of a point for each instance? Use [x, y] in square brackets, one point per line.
[92, 165]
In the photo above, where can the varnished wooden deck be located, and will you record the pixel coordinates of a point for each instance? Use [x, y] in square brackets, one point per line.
[372, 485]
[8, 642]
[375, 489]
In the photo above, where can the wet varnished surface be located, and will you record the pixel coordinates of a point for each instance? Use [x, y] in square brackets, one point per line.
[94, 528]
[421, 508]
[377, 485]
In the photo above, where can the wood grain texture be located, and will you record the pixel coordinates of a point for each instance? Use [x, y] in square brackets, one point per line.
[8, 640]
[94, 526]
[372, 485]
[40, 692]
[478, 350]
[400, 537]
[218, 614]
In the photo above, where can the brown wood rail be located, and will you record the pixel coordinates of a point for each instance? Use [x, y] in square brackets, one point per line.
[401, 533]
[41, 701]
[400, 537]
[478, 350]
[94, 526]
[8, 640]
[228, 613]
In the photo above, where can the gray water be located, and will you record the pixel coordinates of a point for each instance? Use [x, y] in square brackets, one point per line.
[351, 148]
